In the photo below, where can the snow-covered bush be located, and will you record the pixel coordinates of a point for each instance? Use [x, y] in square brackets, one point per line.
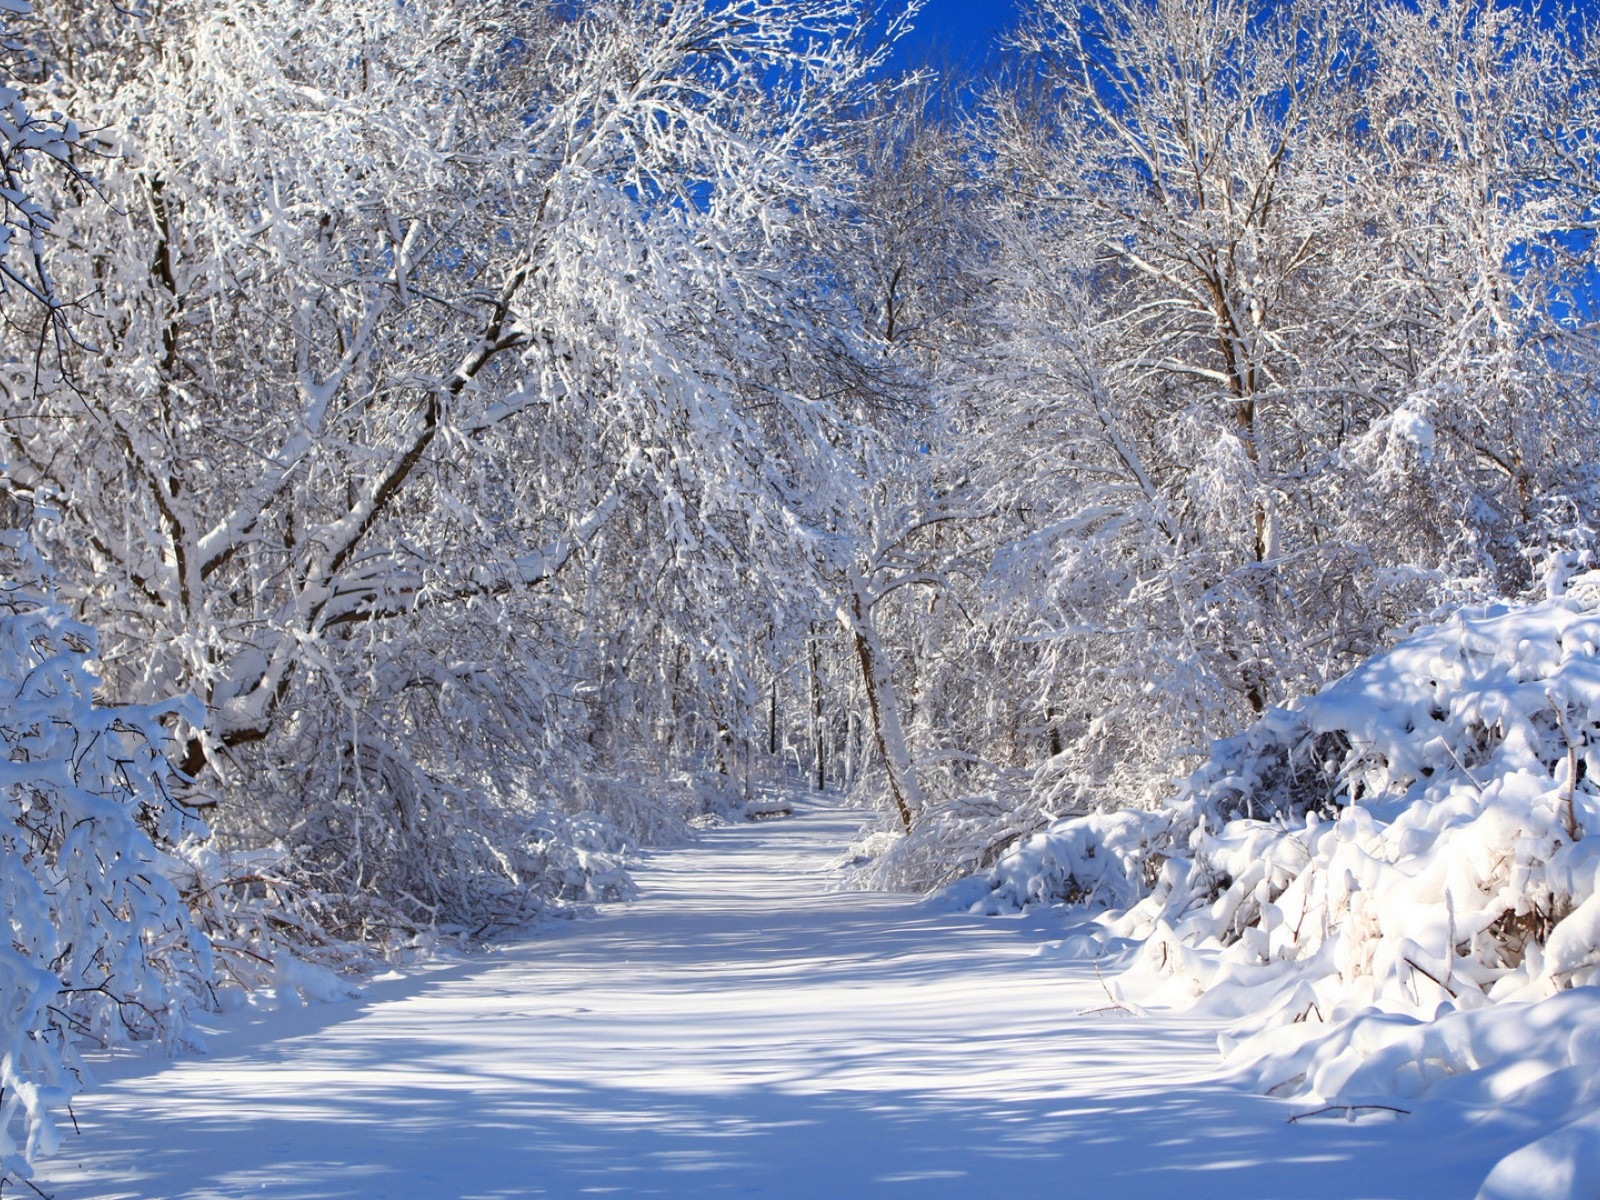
[1368, 875]
[1103, 861]
[99, 949]
[269, 934]
[1416, 830]
[1412, 834]
[952, 839]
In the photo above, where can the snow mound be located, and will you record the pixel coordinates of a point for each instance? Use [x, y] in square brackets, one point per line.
[1389, 882]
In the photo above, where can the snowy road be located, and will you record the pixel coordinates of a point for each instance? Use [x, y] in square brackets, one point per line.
[737, 1031]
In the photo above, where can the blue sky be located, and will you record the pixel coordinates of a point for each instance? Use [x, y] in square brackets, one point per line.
[964, 29]
[961, 30]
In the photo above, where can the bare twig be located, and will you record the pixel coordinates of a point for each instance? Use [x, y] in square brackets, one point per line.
[1349, 1110]
[1574, 830]
[1302, 1017]
[1424, 971]
[1115, 1005]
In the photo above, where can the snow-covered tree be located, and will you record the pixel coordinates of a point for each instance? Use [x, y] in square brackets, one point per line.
[29, 142]
[1174, 175]
[406, 328]
[1279, 352]
[1234, 310]
[1476, 184]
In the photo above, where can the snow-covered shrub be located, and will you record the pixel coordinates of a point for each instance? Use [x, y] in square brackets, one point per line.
[648, 806]
[950, 840]
[99, 949]
[269, 935]
[413, 846]
[1389, 880]
[1103, 860]
[1414, 834]
[1392, 881]
[1411, 835]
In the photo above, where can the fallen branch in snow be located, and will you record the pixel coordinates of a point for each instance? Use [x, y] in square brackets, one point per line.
[27, 1183]
[1115, 1005]
[1349, 1110]
[765, 809]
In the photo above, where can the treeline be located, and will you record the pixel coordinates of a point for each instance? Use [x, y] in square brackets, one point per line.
[1255, 335]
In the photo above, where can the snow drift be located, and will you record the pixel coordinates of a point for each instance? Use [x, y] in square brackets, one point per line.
[1389, 882]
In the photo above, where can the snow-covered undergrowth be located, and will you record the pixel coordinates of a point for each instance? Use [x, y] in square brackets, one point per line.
[125, 916]
[1390, 882]
[99, 949]
[121, 919]
[648, 806]
[949, 841]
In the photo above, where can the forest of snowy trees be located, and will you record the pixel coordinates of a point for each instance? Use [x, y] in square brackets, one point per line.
[448, 444]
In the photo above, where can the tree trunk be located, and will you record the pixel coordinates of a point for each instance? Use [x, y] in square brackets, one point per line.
[882, 703]
[819, 774]
[772, 720]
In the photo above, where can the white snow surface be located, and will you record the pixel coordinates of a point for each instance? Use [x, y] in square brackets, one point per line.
[741, 1029]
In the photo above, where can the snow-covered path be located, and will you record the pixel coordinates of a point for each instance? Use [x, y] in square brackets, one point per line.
[737, 1031]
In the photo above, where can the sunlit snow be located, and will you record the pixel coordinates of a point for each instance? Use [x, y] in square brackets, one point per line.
[741, 1030]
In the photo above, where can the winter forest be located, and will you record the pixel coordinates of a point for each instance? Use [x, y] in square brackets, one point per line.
[450, 445]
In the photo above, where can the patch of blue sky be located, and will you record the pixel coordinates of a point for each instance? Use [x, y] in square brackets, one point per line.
[961, 33]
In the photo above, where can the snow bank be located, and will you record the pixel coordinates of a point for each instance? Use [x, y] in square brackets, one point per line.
[1389, 882]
